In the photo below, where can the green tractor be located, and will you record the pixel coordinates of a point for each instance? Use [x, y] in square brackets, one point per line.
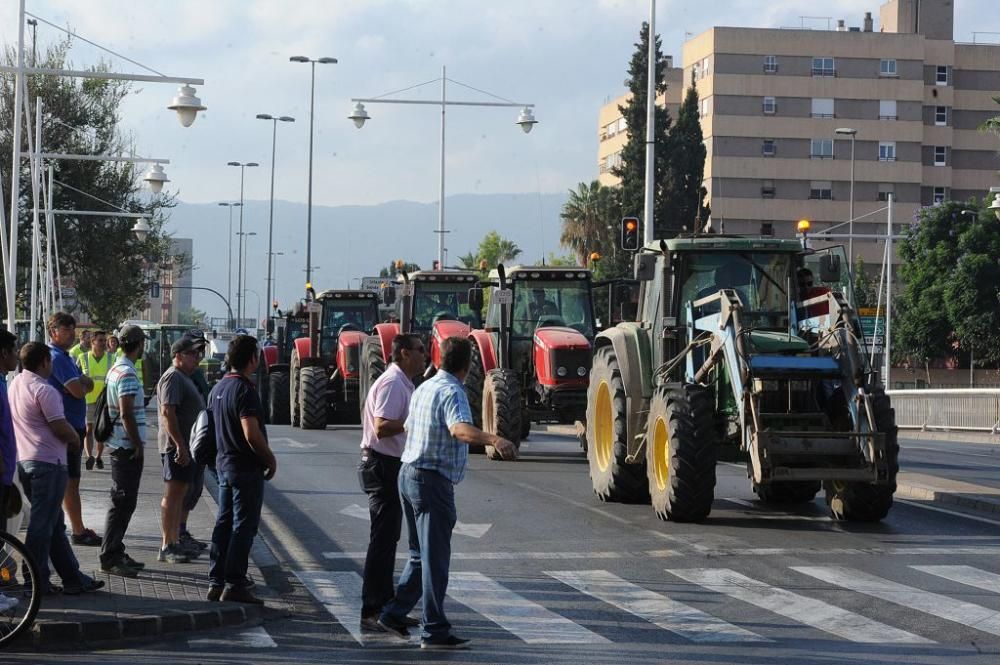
[745, 346]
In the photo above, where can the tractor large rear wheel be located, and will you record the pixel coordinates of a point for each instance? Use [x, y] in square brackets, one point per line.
[277, 398]
[502, 408]
[312, 397]
[294, 408]
[680, 453]
[474, 380]
[611, 477]
[372, 367]
[868, 502]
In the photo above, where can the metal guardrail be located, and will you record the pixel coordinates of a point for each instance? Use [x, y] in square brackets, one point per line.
[969, 409]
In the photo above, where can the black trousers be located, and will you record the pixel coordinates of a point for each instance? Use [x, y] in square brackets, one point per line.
[378, 475]
[126, 472]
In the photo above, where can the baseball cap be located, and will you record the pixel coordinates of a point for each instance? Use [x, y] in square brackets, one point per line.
[188, 341]
[131, 333]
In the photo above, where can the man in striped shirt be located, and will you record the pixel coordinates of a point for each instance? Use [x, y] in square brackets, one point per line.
[439, 431]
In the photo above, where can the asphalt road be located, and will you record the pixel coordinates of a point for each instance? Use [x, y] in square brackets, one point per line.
[544, 573]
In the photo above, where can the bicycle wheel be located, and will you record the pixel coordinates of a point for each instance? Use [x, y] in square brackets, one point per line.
[18, 602]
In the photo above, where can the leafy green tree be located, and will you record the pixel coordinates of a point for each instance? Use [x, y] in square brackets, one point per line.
[192, 317]
[391, 270]
[586, 215]
[632, 170]
[101, 256]
[865, 288]
[993, 124]
[492, 249]
[684, 204]
[564, 261]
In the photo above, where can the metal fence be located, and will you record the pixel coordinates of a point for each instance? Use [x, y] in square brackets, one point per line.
[974, 410]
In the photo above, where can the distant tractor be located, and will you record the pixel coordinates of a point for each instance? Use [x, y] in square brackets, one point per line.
[431, 303]
[749, 344]
[532, 361]
[325, 364]
[278, 358]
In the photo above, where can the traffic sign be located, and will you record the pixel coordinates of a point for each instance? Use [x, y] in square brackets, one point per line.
[872, 325]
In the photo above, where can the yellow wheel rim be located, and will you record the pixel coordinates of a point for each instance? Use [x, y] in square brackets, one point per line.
[489, 421]
[604, 427]
[661, 454]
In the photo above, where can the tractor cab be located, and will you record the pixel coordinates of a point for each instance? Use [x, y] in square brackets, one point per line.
[544, 297]
[344, 311]
[428, 296]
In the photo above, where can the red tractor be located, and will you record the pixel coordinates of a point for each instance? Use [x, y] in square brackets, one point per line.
[532, 361]
[325, 364]
[277, 358]
[431, 303]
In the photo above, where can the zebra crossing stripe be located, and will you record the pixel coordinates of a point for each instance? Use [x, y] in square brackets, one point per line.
[340, 593]
[974, 577]
[254, 638]
[686, 621]
[935, 604]
[812, 612]
[527, 620]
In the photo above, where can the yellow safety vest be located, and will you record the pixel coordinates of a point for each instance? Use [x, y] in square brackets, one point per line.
[97, 370]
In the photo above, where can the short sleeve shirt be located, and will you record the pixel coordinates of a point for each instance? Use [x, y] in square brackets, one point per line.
[388, 398]
[233, 399]
[33, 405]
[65, 370]
[122, 382]
[8, 445]
[177, 389]
[97, 369]
[437, 405]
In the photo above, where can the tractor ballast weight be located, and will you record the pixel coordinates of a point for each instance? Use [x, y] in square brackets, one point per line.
[734, 347]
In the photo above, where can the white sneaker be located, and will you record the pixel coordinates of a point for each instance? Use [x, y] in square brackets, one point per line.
[7, 603]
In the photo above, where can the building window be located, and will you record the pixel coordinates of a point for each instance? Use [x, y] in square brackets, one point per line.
[706, 67]
[622, 125]
[884, 190]
[768, 148]
[940, 155]
[940, 194]
[821, 148]
[887, 151]
[941, 77]
[887, 109]
[770, 64]
[770, 105]
[767, 189]
[705, 107]
[767, 228]
[887, 67]
[821, 189]
[941, 116]
[822, 107]
[823, 67]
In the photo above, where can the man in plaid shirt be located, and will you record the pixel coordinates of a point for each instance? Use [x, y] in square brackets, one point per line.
[439, 431]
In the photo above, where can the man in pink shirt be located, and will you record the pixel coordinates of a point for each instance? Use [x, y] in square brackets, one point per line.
[44, 437]
[382, 442]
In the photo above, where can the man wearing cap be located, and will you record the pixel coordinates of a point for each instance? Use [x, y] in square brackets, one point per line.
[180, 403]
[127, 408]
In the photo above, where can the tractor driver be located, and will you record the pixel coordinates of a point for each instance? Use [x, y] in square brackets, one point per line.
[540, 305]
[804, 276]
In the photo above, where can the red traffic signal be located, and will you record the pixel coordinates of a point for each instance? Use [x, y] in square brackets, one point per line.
[630, 234]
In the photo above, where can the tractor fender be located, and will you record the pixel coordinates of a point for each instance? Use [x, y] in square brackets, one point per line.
[349, 353]
[631, 346]
[270, 356]
[442, 330]
[550, 340]
[386, 333]
[485, 342]
[303, 347]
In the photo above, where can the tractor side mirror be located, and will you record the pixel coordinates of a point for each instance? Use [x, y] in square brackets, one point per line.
[389, 295]
[476, 299]
[829, 268]
[645, 267]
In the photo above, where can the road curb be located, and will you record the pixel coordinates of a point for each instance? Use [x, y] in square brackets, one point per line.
[937, 495]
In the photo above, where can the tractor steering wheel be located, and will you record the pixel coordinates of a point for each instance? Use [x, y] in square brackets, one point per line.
[443, 315]
[347, 326]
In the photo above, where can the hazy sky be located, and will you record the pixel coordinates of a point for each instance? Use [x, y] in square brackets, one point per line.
[565, 56]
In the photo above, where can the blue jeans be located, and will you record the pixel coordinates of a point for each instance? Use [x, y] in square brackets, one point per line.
[44, 485]
[429, 510]
[241, 496]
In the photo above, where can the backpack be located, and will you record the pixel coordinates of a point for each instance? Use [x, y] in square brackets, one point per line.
[104, 424]
[203, 445]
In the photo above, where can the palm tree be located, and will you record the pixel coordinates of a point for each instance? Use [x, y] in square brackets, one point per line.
[586, 215]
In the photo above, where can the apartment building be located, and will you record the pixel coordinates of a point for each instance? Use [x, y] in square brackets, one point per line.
[612, 128]
[773, 100]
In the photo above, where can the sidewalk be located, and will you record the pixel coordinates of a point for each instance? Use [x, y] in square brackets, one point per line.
[923, 487]
[165, 598]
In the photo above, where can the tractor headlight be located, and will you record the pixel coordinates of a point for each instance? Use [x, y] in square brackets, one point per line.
[561, 371]
[581, 371]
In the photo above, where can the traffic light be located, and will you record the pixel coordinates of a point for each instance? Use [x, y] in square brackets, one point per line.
[630, 234]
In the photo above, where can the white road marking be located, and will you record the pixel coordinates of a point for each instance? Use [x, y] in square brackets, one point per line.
[292, 443]
[926, 506]
[968, 614]
[526, 619]
[974, 577]
[254, 638]
[340, 593]
[461, 528]
[504, 556]
[812, 612]
[660, 610]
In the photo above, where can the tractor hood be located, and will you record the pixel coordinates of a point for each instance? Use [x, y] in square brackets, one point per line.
[349, 352]
[441, 331]
[561, 358]
[767, 341]
[558, 337]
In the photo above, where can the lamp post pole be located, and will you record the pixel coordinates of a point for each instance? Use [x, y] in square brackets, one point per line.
[270, 222]
[239, 253]
[848, 131]
[229, 271]
[648, 223]
[242, 278]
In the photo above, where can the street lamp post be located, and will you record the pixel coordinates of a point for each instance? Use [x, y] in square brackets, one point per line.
[312, 109]
[239, 252]
[229, 270]
[257, 320]
[242, 277]
[848, 131]
[274, 282]
[359, 116]
[270, 222]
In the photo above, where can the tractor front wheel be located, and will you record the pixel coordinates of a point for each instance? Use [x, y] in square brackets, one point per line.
[372, 367]
[277, 398]
[474, 381]
[502, 408]
[312, 397]
[294, 408]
